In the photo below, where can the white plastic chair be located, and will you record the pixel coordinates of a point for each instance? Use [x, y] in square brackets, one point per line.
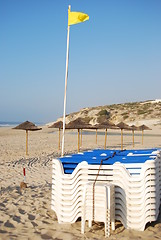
[98, 205]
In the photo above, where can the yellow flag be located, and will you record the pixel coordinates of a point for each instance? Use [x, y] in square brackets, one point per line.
[76, 17]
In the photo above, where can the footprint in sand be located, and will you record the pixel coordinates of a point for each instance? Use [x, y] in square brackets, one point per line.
[3, 231]
[2, 205]
[34, 224]
[8, 224]
[31, 217]
[45, 236]
[16, 219]
[21, 211]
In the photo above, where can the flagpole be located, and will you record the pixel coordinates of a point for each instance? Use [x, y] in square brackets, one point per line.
[66, 77]
[26, 142]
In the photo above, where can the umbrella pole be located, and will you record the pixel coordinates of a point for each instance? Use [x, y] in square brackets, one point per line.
[105, 138]
[121, 139]
[133, 137]
[26, 142]
[78, 140]
[142, 135]
[59, 140]
[96, 136]
[81, 138]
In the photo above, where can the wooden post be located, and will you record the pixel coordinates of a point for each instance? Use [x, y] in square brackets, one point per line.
[81, 138]
[59, 140]
[142, 135]
[105, 138]
[96, 136]
[78, 139]
[26, 142]
[121, 139]
[133, 136]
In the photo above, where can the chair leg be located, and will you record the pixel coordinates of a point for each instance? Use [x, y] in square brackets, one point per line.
[108, 222]
[83, 221]
[89, 223]
[112, 220]
[113, 225]
[113, 214]
[82, 225]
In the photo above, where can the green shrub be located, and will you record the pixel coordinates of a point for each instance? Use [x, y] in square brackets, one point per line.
[87, 119]
[102, 118]
[125, 117]
[141, 111]
[103, 112]
[124, 113]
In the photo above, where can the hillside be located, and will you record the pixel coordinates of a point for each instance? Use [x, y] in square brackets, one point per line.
[148, 112]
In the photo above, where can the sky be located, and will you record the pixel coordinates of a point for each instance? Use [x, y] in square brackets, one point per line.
[115, 57]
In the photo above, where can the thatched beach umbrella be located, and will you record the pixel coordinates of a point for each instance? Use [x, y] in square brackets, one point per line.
[105, 125]
[133, 128]
[78, 124]
[59, 125]
[122, 126]
[27, 126]
[142, 128]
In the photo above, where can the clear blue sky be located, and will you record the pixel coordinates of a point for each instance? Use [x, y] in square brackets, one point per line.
[114, 57]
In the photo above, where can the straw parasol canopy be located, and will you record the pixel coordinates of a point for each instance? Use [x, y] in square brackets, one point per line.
[133, 127]
[27, 126]
[78, 124]
[59, 125]
[123, 126]
[142, 128]
[104, 125]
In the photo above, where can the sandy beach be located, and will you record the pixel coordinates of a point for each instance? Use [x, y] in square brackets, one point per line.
[26, 213]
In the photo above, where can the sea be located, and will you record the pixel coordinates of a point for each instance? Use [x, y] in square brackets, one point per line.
[13, 124]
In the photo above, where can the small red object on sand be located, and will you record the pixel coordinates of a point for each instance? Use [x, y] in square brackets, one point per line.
[24, 174]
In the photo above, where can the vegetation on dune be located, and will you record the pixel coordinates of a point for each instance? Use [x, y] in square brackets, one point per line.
[127, 112]
[103, 112]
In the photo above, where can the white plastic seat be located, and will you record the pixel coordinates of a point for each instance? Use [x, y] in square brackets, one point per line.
[98, 205]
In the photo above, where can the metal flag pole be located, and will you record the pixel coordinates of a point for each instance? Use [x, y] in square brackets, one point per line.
[66, 77]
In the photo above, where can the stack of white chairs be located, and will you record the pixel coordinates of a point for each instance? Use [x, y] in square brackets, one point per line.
[98, 205]
[67, 191]
[137, 190]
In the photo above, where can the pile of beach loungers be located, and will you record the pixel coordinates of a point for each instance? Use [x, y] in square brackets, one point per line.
[135, 174]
